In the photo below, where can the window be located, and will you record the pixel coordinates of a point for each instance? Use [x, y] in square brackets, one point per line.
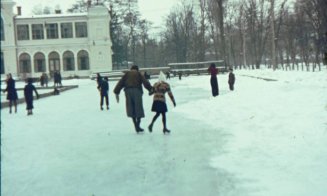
[83, 60]
[2, 64]
[25, 63]
[68, 58]
[54, 62]
[23, 32]
[81, 29]
[66, 30]
[39, 62]
[37, 31]
[2, 32]
[52, 31]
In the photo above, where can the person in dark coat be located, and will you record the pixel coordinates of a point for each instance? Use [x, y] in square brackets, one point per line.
[231, 79]
[104, 88]
[59, 79]
[28, 94]
[42, 80]
[132, 82]
[45, 79]
[11, 92]
[213, 80]
[159, 105]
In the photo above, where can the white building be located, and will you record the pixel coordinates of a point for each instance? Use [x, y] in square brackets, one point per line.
[74, 44]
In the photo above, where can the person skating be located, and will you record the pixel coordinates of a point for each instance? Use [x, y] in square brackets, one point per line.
[28, 94]
[159, 105]
[213, 80]
[99, 80]
[132, 82]
[231, 79]
[104, 88]
[11, 92]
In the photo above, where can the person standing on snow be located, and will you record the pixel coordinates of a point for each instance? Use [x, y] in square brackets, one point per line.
[11, 92]
[213, 80]
[28, 94]
[159, 101]
[231, 79]
[104, 88]
[132, 82]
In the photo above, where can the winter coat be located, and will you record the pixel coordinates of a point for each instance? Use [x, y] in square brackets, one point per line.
[160, 88]
[11, 90]
[213, 71]
[104, 87]
[28, 93]
[231, 78]
[132, 79]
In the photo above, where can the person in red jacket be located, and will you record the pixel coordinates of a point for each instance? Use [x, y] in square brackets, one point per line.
[159, 101]
[213, 80]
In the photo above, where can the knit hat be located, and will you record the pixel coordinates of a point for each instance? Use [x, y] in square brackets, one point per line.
[162, 77]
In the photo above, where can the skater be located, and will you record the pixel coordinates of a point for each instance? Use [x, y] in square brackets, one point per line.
[28, 94]
[231, 79]
[45, 79]
[159, 101]
[168, 75]
[213, 80]
[104, 88]
[180, 75]
[11, 92]
[42, 80]
[132, 82]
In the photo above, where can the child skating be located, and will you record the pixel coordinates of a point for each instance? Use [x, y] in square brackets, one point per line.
[28, 93]
[159, 102]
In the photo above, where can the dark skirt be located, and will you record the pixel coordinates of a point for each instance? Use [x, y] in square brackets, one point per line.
[29, 104]
[159, 106]
[12, 95]
[214, 86]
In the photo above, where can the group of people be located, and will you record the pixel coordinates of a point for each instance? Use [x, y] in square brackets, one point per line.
[132, 82]
[12, 96]
[214, 81]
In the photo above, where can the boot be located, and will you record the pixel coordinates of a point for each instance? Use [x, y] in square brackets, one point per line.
[101, 108]
[107, 107]
[165, 130]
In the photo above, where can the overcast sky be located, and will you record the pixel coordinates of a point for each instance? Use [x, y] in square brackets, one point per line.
[152, 10]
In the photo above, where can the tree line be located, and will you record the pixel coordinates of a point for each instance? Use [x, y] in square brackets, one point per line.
[286, 34]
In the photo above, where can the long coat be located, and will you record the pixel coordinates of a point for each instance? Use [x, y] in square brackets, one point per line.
[11, 90]
[28, 93]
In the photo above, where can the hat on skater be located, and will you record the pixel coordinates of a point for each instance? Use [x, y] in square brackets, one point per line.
[162, 77]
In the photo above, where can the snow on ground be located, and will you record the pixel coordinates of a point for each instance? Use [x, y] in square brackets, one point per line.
[265, 138]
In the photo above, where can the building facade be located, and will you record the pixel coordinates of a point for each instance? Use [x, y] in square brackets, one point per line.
[76, 44]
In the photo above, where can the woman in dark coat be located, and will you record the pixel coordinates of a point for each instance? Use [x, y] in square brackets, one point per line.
[231, 79]
[11, 92]
[28, 94]
[213, 80]
[104, 88]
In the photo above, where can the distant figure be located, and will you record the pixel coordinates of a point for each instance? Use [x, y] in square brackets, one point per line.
[180, 75]
[42, 80]
[231, 79]
[57, 79]
[99, 80]
[147, 76]
[56, 91]
[167, 75]
[213, 80]
[104, 88]
[132, 82]
[28, 94]
[11, 92]
[45, 79]
[159, 101]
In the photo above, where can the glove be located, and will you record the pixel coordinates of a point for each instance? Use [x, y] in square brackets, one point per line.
[151, 92]
[174, 104]
[117, 98]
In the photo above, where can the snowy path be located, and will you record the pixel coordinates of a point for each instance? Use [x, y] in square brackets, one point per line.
[240, 143]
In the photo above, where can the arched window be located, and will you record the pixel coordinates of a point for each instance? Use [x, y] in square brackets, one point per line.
[54, 62]
[2, 64]
[2, 30]
[69, 63]
[25, 63]
[39, 62]
[83, 60]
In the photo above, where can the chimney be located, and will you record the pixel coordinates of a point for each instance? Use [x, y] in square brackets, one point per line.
[58, 11]
[19, 10]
